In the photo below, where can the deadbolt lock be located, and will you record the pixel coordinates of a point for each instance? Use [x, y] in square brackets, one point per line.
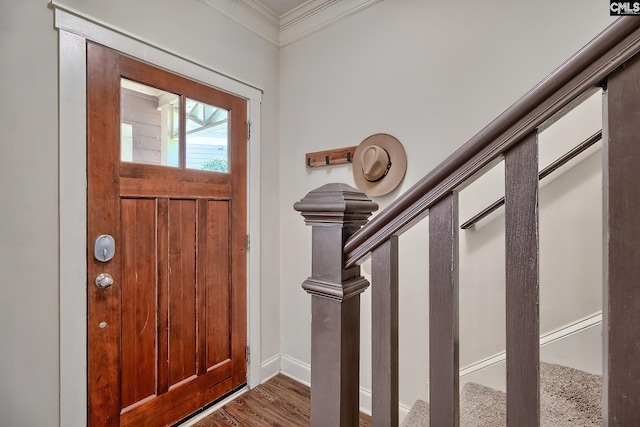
[104, 248]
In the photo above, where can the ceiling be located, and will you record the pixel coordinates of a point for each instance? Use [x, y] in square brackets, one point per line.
[281, 7]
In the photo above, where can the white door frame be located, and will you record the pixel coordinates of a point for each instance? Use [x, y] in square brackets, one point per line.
[75, 29]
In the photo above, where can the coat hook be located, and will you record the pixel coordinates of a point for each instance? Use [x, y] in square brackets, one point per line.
[337, 156]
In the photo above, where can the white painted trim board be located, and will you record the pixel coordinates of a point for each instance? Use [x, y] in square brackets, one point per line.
[546, 339]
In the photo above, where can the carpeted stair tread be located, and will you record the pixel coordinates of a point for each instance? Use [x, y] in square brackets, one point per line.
[568, 397]
[482, 406]
[418, 416]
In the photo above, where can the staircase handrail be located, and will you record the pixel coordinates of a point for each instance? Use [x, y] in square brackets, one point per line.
[587, 68]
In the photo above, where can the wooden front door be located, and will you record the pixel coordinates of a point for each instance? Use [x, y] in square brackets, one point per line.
[169, 335]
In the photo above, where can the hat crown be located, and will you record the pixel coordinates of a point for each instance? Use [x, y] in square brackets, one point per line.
[375, 163]
[379, 164]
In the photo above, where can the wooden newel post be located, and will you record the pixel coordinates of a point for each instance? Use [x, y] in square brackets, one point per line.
[335, 211]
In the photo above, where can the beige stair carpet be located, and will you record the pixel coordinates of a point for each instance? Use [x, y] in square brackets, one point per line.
[480, 407]
[418, 415]
[568, 397]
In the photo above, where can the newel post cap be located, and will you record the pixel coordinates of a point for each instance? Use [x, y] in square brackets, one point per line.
[336, 203]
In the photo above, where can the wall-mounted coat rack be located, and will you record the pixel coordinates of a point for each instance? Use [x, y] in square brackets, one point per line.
[330, 157]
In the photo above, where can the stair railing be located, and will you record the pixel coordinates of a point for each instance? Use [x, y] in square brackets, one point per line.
[337, 212]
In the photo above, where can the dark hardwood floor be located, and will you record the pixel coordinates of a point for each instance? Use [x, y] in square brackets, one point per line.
[281, 401]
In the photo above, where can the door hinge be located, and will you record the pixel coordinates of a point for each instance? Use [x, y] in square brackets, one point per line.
[248, 354]
[248, 241]
[248, 130]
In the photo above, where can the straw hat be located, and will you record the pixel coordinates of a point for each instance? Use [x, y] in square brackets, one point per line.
[379, 164]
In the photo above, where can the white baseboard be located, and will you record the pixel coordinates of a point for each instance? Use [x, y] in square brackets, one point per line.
[269, 368]
[403, 412]
[366, 399]
[546, 339]
[296, 369]
[301, 372]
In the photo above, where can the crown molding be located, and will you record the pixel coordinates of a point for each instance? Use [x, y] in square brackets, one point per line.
[251, 15]
[295, 25]
[316, 15]
[304, 11]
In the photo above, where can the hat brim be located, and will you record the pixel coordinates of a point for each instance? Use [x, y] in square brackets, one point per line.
[397, 156]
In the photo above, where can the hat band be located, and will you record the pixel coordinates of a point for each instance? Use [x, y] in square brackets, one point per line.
[386, 170]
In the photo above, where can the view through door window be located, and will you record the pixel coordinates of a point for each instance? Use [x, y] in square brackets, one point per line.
[151, 125]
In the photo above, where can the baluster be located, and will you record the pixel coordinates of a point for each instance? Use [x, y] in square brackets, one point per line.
[522, 293]
[621, 305]
[444, 377]
[335, 212]
[384, 331]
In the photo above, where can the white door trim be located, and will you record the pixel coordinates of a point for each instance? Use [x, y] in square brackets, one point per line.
[75, 30]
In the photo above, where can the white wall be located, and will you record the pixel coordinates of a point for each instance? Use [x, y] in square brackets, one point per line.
[28, 216]
[430, 73]
[29, 314]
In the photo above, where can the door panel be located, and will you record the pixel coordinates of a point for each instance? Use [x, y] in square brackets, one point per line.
[138, 299]
[182, 297]
[170, 335]
[218, 293]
